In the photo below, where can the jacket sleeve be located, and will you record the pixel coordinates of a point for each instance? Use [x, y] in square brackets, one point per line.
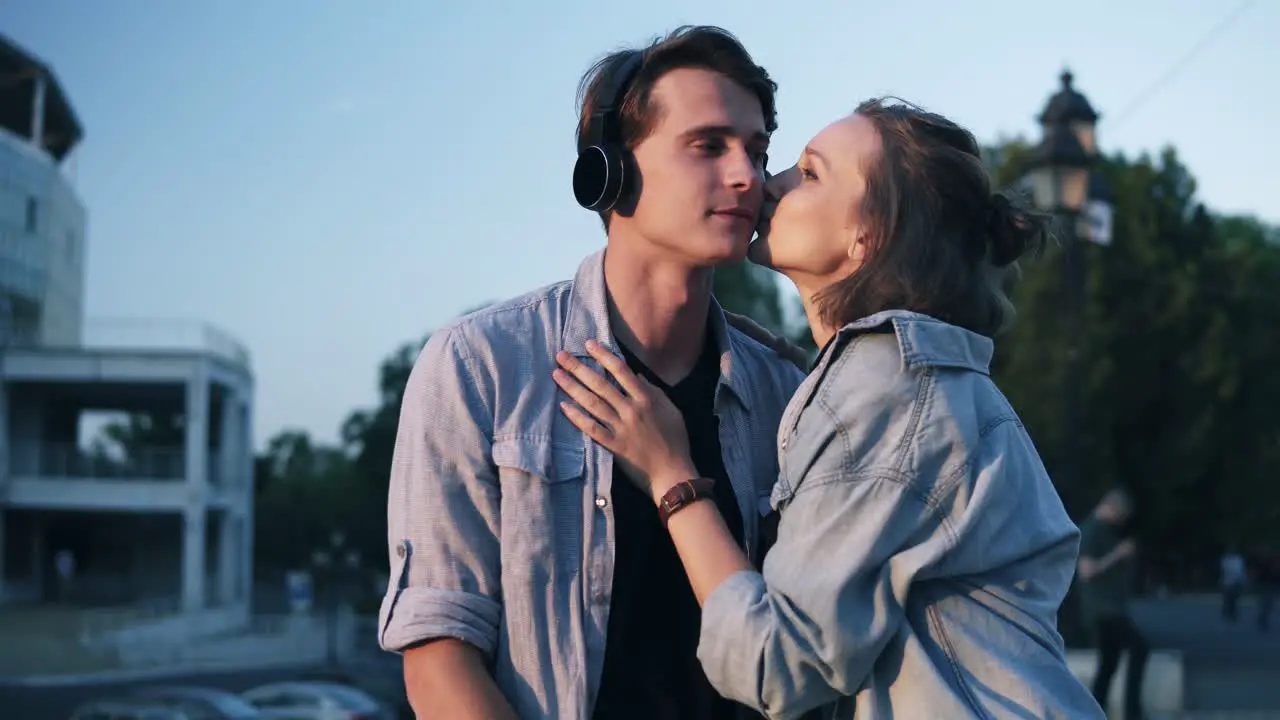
[443, 507]
[809, 629]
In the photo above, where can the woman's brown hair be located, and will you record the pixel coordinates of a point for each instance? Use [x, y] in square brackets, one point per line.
[939, 241]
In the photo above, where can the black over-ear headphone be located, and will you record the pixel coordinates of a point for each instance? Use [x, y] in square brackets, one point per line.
[600, 176]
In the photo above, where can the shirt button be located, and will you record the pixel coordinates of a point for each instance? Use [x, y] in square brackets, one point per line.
[601, 501]
[400, 550]
[784, 443]
[600, 598]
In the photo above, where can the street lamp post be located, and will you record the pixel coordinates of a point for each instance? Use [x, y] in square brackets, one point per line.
[1059, 172]
[1062, 181]
[335, 565]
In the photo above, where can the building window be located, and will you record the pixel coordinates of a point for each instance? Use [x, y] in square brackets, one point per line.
[33, 214]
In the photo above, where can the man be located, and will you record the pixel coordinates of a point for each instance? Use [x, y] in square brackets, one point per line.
[1106, 573]
[64, 564]
[528, 579]
[1268, 584]
[1233, 580]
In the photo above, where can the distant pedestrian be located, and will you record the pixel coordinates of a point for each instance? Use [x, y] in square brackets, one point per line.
[1233, 578]
[64, 564]
[1267, 579]
[1106, 570]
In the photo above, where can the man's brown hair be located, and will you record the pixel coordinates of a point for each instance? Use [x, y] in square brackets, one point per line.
[691, 46]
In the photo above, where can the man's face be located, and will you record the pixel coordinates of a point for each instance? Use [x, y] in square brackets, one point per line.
[701, 169]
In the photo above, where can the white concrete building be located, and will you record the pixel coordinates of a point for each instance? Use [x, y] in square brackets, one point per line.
[166, 520]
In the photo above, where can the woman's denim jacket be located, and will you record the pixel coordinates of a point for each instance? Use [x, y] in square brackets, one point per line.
[922, 551]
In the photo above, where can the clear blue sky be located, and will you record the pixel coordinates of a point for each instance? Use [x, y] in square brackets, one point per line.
[327, 181]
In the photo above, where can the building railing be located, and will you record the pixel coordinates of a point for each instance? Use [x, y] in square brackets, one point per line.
[66, 460]
[163, 334]
[26, 147]
[97, 623]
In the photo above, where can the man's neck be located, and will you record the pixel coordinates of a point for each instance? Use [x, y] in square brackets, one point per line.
[658, 310]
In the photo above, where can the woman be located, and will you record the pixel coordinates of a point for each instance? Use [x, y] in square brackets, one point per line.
[922, 552]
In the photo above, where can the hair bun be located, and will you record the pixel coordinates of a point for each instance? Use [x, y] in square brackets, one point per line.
[1012, 231]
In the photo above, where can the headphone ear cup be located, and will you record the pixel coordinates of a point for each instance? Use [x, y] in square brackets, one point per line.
[600, 177]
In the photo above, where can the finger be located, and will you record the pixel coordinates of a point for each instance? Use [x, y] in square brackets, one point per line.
[588, 425]
[616, 366]
[592, 379]
[591, 402]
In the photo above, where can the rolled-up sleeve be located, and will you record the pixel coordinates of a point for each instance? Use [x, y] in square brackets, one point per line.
[443, 507]
[809, 630]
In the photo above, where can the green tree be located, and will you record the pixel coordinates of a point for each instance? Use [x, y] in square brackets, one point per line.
[305, 492]
[1179, 403]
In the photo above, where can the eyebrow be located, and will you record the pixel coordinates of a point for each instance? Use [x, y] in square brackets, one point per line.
[817, 156]
[723, 131]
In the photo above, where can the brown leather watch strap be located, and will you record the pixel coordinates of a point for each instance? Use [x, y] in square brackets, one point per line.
[682, 495]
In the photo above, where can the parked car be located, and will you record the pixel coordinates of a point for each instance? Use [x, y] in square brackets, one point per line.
[128, 709]
[315, 701]
[384, 681]
[202, 703]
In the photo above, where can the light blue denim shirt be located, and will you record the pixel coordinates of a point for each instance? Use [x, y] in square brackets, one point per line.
[500, 520]
[922, 551]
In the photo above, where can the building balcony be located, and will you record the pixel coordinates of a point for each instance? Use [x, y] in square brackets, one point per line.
[67, 477]
[163, 334]
[64, 461]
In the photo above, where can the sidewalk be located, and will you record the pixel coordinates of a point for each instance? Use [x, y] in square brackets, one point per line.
[112, 677]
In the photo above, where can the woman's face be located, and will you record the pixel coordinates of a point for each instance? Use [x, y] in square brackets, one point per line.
[810, 229]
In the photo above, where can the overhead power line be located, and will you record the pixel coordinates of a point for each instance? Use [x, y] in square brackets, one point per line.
[1181, 63]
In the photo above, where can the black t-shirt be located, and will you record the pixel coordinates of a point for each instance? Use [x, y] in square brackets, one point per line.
[651, 669]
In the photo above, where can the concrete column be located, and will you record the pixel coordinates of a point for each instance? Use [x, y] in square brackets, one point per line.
[197, 437]
[196, 469]
[6, 438]
[6, 471]
[228, 441]
[3, 591]
[246, 493]
[228, 556]
[37, 113]
[39, 567]
[193, 571]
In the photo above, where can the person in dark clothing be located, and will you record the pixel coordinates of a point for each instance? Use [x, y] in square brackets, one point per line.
[1268, 583]
[1105, 569]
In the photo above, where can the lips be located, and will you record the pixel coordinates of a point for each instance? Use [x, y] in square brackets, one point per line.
[743, 213]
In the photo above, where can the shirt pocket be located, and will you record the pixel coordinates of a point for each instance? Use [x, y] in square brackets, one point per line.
[542, 484]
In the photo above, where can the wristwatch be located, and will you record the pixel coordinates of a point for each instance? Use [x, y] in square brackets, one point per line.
[683, 495]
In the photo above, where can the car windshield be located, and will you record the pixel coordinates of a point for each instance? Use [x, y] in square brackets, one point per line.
[350, 698]
[234, 707]
[227, 704]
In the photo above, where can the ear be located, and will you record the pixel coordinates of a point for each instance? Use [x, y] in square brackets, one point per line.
[858, 248]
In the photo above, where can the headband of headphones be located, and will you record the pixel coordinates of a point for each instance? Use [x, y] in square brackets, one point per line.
[605, 122]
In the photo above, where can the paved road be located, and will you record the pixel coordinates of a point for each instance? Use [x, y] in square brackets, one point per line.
[378, 675]
[1227, 666]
